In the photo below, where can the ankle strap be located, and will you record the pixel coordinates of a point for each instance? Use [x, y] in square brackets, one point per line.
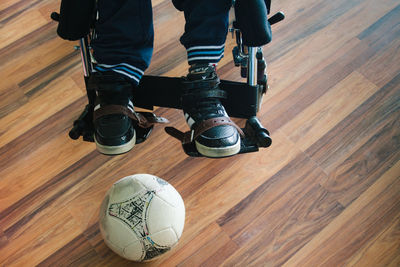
[189, 136]
[200, 84]
[143, 119]
[200, 94]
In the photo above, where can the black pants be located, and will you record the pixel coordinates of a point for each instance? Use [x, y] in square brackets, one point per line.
[124, 41]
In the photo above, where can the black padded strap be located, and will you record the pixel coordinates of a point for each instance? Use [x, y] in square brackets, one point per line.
[200, 84]
[199, 94]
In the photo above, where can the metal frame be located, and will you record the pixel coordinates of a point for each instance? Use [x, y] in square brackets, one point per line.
[244, 99]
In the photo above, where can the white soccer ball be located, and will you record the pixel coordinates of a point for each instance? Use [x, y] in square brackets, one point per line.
[141, 217]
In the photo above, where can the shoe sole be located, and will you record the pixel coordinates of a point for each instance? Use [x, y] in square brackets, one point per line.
[218, 152]
[116, 150]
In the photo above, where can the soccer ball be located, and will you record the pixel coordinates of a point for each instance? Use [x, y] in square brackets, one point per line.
[141, 217]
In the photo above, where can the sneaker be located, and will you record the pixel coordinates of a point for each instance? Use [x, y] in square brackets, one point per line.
[201, 103]
[114, 132]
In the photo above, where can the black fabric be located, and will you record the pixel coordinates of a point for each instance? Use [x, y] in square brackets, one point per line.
[178, 4]
[75, 20]
[251, 19]
[124, 33]
[124, 29]
[207, 21]
[268, 5]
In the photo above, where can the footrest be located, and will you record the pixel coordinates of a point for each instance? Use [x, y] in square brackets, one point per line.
[84, 127]
[255, 136]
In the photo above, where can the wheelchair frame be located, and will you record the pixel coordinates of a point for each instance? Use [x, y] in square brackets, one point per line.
[166, 92]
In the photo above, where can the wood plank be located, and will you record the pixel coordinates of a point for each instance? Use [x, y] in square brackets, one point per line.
[325, 193]
[375, 207]
[184, 252]
[210, 241]
[387, 62]
[384, 30]
[218, 244]
[280, 216]
[18, 28]
[395, 262]
[367, 164]
[48, 7]
[3, 239]
[316, 16]
[236, 181]
[206, 169]
[280, 113]
[77, 250]
[357, 128]
[289, 85]
[14, 53]
[381, 250]
[221, 254]
[41, 133]
[168, 52]
[310, 45]
[38, 164]
[39, 108]
[30, 77]
[11, 98]
[14, 8]
[36, 241]
[83, 202]
[321, 116]
[93, 188]
[49, 195]
[8, 3]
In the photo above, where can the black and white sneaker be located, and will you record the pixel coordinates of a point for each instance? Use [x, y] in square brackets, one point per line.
[114, 133]
[216, 136]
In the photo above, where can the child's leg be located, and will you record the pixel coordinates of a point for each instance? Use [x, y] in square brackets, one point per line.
[122, 47]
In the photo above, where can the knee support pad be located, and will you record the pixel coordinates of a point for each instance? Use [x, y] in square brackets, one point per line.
[75, 19]
[251, 20]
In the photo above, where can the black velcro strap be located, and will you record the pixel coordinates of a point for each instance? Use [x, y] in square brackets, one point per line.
[200, 84]
[109, 81]
[200, 94]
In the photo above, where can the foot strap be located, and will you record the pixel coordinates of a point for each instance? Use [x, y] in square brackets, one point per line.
[205, 125]
[143, 119]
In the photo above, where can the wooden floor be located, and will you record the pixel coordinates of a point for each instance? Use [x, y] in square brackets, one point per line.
[327, 193]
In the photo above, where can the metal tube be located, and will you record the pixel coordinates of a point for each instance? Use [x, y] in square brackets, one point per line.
[84, 57]
[252, 66]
